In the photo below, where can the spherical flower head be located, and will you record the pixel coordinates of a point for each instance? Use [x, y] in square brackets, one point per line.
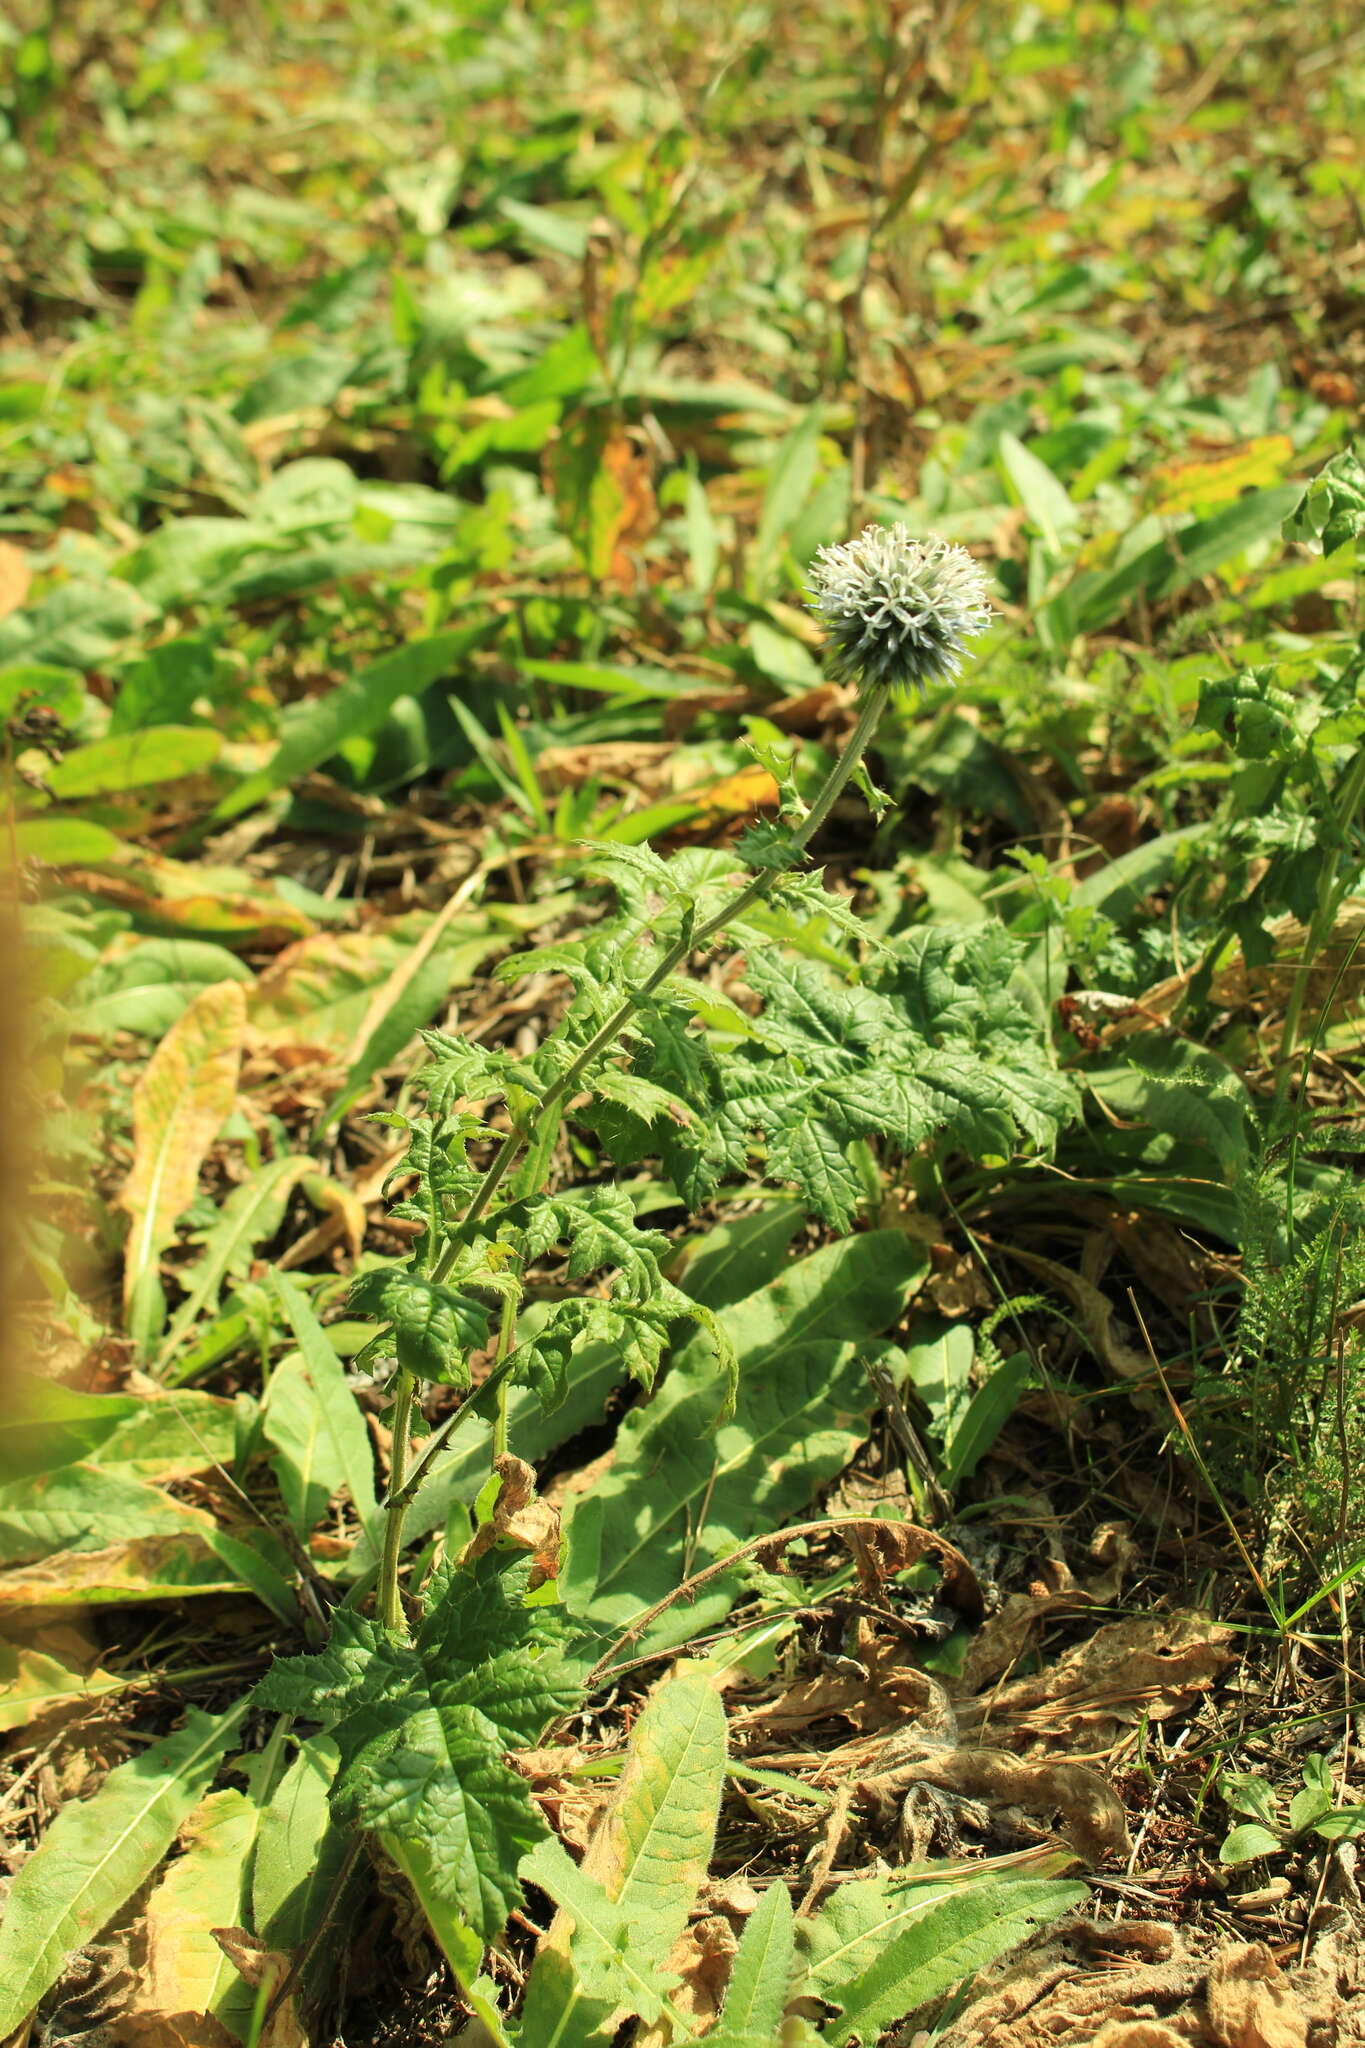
[895, 610]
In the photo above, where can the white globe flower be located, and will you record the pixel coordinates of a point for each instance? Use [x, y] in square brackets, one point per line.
[897, 611]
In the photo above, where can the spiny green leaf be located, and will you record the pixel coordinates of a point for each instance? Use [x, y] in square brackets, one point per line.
[433, 1327]
[422, 1728]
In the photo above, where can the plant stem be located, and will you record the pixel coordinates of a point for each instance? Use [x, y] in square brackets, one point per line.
[388, 1605]
[839, 775]
[507, 1330]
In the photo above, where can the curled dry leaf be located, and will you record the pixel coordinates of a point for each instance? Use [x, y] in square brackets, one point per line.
[1140, 2034]
[1009, 1633]
[636, 764]
[521, 1520]
[173, 2030]
[1092, 1816]
[256, 1965]
[1153, 1665]
[701, 1960]
[1237, 1998]
[887, 1692]
[881, 1549]
[1251, 2003]
[1041, 2000]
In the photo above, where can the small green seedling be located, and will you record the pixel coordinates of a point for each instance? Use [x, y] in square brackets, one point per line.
[1312, 1811]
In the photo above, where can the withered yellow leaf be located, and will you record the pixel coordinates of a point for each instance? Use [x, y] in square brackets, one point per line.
[180, 1102]
[14, 578]
[184, 1970]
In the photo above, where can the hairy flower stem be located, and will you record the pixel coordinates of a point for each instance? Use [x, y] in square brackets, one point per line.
[388, 1606]
[507, 1335]
[858, 742]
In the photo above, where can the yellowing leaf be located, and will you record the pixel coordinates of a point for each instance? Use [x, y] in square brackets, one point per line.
[98, 1852]
[179, 1104]
[185, 1972]
[14, 578]
[1190, 486]
[33, 1685]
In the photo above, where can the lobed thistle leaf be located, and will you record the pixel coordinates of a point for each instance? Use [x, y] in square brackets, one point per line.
[897, 611]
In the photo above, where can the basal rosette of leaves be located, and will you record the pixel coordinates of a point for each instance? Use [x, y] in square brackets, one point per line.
[423, 1728]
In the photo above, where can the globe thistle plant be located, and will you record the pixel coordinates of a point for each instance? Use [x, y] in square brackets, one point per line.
[897, 612]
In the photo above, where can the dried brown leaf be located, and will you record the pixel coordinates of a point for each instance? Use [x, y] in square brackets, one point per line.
[1251, 2003]
[520, 1520]
[1152, 1664]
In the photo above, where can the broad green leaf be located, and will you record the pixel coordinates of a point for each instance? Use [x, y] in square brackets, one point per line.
[1332, 509]
[939, 1356]
[987, 1412]
[640, 684]
[596, 1370]
[1042, 496]
[191, 558]
[318, 1428]
[654, 1847]
[879, 1952]
[558, 2013]
[1120, 887]
[295, 1425]
[49, 1424]
[322, 990]
[1099, 597]
[133, 760]
[544, 229]
[37, 686]
[789, 482]
[146, 985]
[732, 1259]
[65, 842]
[681, 1493]
[461, 1945]
[196, 1560]
[1249, 1841]
[359, 705]
[703, 538]
[448, 952]
[98, 1852]
[1346, 1825]
[182, 1098]
[590, 465]
[761, 1974]
[80, 624]
[164, 1436]
[607, 1966]
[935, 1042]
[183, 1970]
[433, 1327]
[80, 1508]
[300, 1849]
